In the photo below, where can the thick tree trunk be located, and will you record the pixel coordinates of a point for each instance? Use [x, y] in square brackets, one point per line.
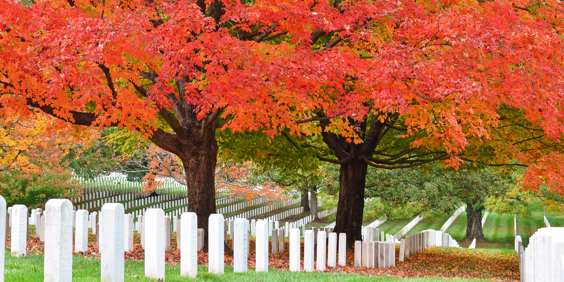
[313, 210]
[474, 225]
[305, 201]
[351, 200]
[199, 164]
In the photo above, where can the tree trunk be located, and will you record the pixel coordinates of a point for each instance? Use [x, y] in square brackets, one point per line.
[352, 182]
[199, 163]
[305, 201]
[313, 210]
[474, 225]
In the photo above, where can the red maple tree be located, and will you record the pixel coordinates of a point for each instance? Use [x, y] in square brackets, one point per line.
[457, 81]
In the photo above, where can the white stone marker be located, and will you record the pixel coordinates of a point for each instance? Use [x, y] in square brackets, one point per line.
[295, 250]
[240, 237]
[200, 239]
[58, 240]
[281, 248]
[112, 242]
[4, 223]
[253, 227]
[261, 246]
[154, 244]
[128, 233]
[332, 252]
[402, 250]
[309, 245]
[81, 232]
[321, 250]
[343, 249]
[19, 231]
[216, 239]
[364, 253]
[93, 222]
[357, 253]
[189, 249]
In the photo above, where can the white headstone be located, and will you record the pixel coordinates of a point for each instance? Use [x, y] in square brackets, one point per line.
[321, 250]
[19, 230]
[128, 233]
[81, 232]
[154, 244]
[343, 249]
[216, 239]
[112, 242]
[189, 248]
[58, 240]
[309, 246]
[262, 246]
[240, 237]
[402, 250]
[332, 252]
[295, 250]
[253, 228]
[4, 222]
[357, 253]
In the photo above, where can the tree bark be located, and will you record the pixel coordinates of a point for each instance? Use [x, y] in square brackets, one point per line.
[351, 200]
[313, 210]
[474, 225]
[305, 201]
[199, 161]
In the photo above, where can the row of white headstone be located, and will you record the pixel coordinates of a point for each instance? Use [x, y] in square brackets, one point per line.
[419, 242]
[543, 260]
[115, 225]
[266, 209]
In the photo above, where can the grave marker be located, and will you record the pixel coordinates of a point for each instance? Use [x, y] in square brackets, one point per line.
[402, 250]
[19, 231]
[332, 252]
[187, 230]
[112, 242]
[309, 245]
[261, 264]
[357, 253]
[281, 245]
[154, 244]
[274, 241]
[295, 250]
[321, 250]
[200, 239]
[81, 232]
[343, 249]
[216, 233]
[239, 249]
[58, 240]
[128, 233]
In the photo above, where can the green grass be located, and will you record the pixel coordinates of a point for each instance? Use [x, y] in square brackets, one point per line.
[499, 230]
[30, 269]
[458, 228]
[425, 224]
[393, 226]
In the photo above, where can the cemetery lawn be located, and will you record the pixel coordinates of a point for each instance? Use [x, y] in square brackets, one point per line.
[499, 230]
[394, 226]
[435, 224]
[30, 269]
